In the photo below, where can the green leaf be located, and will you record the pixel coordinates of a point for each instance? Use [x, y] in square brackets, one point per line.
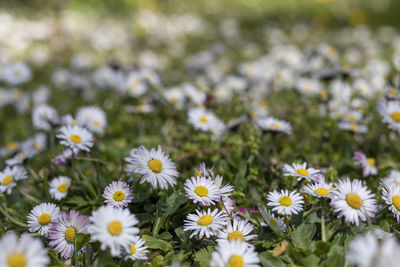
[267, 260]
[203, 256]
[310, 261]
[82, 240]
[156, 243]
[331, 228]
[165, 236]
[302, 236]
[335, 257]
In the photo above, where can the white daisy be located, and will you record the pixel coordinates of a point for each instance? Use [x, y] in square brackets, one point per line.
[300, 171]
[136, 250]
[58, 187]
[205, 223]
[390, 112]
[135, 85]
[76, 138]
[154, 166]
[353, 127]
[202, 190]
[368, 165]
[27, 251]
[391, 195]
[201, 119]
[9, 176]
[62, 233]
[239, 229]
[392, 178]
[234, 254]
[17, 73]
[276, 224]
[285, 203]
[274, 125]
[319, 190]
[42, 216]
[175, 96]
[113, 228]
[93, 118]
[118, 194]
[44, 117]
[353, 201]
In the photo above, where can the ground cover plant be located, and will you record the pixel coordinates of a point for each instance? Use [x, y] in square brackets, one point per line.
[184, 140]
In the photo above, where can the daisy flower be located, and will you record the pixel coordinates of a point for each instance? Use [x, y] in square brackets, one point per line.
[62, 233]
[76, 138]
[93, 118]
[392, 93]
[353, 201]
[205, 223]
[226, 190]
[368, 165]
[392, 178]
[353, 127]
[276, 224]
[234, 253]
[274, 125]
[154, 166]
[136, 250]
[319, 190]
[9, 176]
[113, 228]
[58, 187]
[42, 216]
[202, 190]
[17, 73]
[118, 194]
[26, 251]
[44, 117]
[300, 171]
[391, 195]
[239, 229]
[390, 112]
[201, 119]
[285, 203]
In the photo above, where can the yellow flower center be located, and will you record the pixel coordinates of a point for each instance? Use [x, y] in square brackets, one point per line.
[353, 127]
[72, 123]
[371, 162]
[12, 145]
[201, 191]
[302, 172]
[203, 119]
[70, 234]
[205, 220]
[44, 219]
[273, 222]
[114, 227]
[155, 165]
[275, 126]
[393, 91]
[352, 118]
[75, 138]
[119, 196]
[396, 116]
[197, 173]
[62, 188]
[285, 201]
[133, 249]
[37, 146]
[16, 260]
[396, 201]
[354, 201]
[96, 123]
[7, 180]
[236, 261]
[236, 235]
[322, 191]
[323, 94]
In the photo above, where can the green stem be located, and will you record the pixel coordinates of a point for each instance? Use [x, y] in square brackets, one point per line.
[289, 231]
[76, 252]
[5, 213]
[323, 233]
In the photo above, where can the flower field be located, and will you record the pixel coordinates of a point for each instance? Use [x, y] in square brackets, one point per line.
[178, 135]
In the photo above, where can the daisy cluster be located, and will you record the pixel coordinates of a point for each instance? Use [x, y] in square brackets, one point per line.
[130, 144]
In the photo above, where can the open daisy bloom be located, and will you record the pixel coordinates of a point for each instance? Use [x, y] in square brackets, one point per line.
[274, 125]
[238, 229]
[137, 250]
[391, 195]
[300, 171]
[59, 187]
[276, 224]
[76, 138]
[154, 166]
[24, 251]
[93, 118]
[353, 201]
[205, 223]
[368, 165]
[62, 233]
[202, 190]
[118, 194]
[234, 254]
[285, 203]
[390, 112]
[113, 228]
[9, 176]
[319, 190]
[41, 217]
